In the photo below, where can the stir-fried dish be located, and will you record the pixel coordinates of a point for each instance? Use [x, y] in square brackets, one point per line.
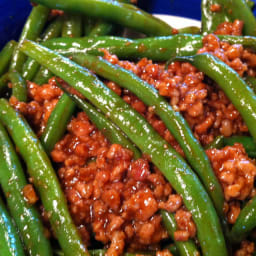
[111, 145]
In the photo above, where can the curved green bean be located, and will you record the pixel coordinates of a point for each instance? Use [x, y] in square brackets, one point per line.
[112, 133]
[245, 222]
[123, 14]
[231, 83]
[57, 122]
[10, 244]
[173, 120]
[19, 86]
[173, 167]
[53, 30]
[6, 55]
[187, 248]
[31, 30]
[12, 180]
[45, 180]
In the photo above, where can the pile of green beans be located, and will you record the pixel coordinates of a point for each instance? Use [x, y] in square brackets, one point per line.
[69, 46]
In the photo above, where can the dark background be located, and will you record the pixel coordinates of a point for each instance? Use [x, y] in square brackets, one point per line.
[13, 13]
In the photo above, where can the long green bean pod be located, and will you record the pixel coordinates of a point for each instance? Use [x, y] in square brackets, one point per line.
[102, 28]
[126, 15]
[53, 30]
[187, 248]
[31, 30]
[102, 252]
[44, 178]
[63, 111]
[10, 244]
[112, 133]
[57, 122]
[155, 48]
[6, 55]
[231, 83]
[27, 219]
[19, 86]
[171, 164]
[173, 120]
[245, 222]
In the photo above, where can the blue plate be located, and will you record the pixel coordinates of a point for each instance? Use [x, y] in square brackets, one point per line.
[13, 13]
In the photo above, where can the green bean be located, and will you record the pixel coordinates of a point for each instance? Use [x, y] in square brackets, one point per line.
[111, 132]
[101, 28]
[217, 143]
[123, 14]
[231, 83]
[6, 55]
[189, 30]
[173, 249]
[245, 222]
[251, 81]
[88, 24]
[10, 244]
[72, 26]
[102, 252]
[229, 10]
[19, 87]
[173, 120]
[57, 123]
[186, 248]
[247, 142]
[155, 48]
[63, 111]
[44, 178]
[210, 19]
[171, 164]
[53, 30]
[250, 3]
[43, 75]
[27, 219]
[2, 85]
[31, 30]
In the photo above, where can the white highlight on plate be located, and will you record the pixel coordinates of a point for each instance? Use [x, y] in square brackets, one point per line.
[178, 22]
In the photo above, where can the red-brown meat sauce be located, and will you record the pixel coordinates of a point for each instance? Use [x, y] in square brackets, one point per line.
[116, 199]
